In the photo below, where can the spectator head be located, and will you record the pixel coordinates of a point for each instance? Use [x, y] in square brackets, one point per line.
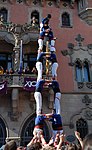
[35, 146]
[73, 146]
[48, 148]
[7, 71]
[11, 145]
[11, 71]
[87, 142]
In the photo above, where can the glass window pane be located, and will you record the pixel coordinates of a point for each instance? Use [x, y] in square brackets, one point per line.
[2, 57]
[79, 74]
[9, 65]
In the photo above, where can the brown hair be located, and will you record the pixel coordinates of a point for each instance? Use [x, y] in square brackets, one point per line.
[87, 142]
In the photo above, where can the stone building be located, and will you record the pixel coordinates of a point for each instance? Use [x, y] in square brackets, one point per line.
[71, 23]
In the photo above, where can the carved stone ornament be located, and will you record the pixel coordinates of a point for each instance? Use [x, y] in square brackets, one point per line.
[79, 39]
[89, 85]
[86, 15]
[35, 2]
[50, 3]
[86, 100]
[42, 2]
[72, 3]
[88, 114]
[78, 51]
[80, 85]
[64, 52]
[58, 3]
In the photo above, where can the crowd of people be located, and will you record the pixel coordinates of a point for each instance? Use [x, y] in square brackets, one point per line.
[10, 71]
[39, 143]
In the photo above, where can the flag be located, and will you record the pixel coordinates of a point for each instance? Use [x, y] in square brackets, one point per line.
[3, 87]
[21, 57]
[30, 84]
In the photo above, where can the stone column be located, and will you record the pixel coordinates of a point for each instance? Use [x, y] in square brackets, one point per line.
[16, 59]
[15, 99]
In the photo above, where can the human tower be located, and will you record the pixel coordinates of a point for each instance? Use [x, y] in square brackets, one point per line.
[50, 57]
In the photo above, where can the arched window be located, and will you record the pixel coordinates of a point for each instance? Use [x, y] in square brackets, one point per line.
[36, 15]
[82, 71]
[27, 131]
[4, 13]
[82, 127]
[86, 72]
[65, 19]
[6, 60]
[29, 60]
[2, 132]
[79, 75]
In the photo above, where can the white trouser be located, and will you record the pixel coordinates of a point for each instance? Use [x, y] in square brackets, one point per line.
[39, 68]
[40, 42]
[57, 102]
[54, 69]
[38, 98]
[52, 46]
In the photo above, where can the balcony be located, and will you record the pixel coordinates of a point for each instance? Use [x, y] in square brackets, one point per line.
[86, 15]
[11, 32]
[15, 80]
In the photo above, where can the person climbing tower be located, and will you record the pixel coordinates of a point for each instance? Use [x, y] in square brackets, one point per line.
[45, 30]
[57, 95]
[57, 128]
[54, 65]
[39, 64]
[38, 95]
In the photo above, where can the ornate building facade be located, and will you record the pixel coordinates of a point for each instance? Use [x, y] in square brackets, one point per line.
[71, 23]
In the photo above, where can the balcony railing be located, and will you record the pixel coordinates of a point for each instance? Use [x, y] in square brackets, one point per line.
[14, 80]
[17, 80]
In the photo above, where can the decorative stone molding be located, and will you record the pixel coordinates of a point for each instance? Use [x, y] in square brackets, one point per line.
[58, 3]
[80, 85]
[42, 2]
[84, 84]
[88, 114]
[78, 51]
[86, 15]
[89, 85]
[85, 113]
[14, 33]
[86, 100]
[72, 2]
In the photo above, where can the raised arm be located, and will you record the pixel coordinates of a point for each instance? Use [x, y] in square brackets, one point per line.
[77, 134]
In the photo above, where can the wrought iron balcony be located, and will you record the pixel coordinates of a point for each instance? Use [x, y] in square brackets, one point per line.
[16, 80]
